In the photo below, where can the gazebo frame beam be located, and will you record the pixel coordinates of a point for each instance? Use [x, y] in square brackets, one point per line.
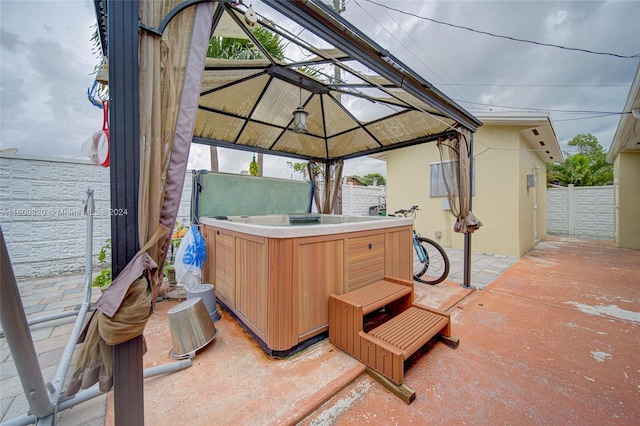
[250, 148]
[124, 171]
[382, 62]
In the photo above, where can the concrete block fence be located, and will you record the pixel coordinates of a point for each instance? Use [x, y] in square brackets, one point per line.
[42, 213]
[583, 212]
[356, 200]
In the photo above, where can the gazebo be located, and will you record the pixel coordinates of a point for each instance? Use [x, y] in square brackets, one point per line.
[334, 95]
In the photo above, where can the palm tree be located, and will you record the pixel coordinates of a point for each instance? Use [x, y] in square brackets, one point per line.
[587, 168]
[234, 48]
[580, 170]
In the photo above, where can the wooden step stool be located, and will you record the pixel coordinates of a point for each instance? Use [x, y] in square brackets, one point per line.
[402, 329]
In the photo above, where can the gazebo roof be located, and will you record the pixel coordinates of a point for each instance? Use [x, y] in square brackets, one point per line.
[374, 104]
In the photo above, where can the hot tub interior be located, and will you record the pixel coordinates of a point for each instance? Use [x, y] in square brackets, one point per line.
[299, 219]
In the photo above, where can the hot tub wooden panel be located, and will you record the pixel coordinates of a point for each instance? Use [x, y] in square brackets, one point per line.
[281, 330]
[365, 259]
[251, 291]
[225, 276]
[398, 261]
[318, 265]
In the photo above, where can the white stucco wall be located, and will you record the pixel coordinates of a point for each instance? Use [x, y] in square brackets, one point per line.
[584, 212]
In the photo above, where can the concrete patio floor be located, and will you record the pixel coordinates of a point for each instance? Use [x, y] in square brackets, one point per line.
[551, 339]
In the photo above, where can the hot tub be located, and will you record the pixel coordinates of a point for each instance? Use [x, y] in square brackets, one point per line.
[275, 274]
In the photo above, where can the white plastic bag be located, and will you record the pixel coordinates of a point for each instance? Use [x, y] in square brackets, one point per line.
[190, 258]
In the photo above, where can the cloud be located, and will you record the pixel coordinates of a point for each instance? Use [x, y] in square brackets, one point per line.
[10, 41]
[465, 65]
[46, 69]
[47, 62]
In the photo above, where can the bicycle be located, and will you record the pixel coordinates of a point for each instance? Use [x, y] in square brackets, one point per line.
[431, 263]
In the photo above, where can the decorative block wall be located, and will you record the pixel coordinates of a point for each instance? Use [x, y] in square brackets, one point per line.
[42, 213]
[583, 212]
[356, 200]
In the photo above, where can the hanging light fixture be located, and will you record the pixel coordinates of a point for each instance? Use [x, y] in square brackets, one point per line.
[300, 116]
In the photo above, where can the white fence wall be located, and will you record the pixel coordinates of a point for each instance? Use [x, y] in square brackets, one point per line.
[356, 200]
[42, 217]
[584, 212]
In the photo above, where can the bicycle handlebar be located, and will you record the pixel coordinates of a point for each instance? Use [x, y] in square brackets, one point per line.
[404, 212]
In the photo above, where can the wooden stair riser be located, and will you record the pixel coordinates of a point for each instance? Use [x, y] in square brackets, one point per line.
[387, 346]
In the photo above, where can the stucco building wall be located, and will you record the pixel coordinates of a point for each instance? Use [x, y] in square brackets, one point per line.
[502, 200]
[533, 202]
[408, 176]
[627, 169]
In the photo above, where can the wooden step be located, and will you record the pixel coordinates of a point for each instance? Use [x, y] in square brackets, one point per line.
[410, 330]
[385, 347]
[376, 295]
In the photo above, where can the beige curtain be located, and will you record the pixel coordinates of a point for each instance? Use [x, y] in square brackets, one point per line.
[325, 198]
[162, 66]
[168, 103]
[456, 171]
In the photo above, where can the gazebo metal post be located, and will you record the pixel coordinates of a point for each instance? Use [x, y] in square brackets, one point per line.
[466, 280]
[14, 321]
[125, 155]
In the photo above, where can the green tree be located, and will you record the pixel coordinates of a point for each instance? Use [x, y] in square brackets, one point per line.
[377, 177]
[587, 144]
[101, 88]
[235, 48]
[301, 167]
[588, 167]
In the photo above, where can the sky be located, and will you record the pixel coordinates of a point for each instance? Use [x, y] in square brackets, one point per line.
[47, 63]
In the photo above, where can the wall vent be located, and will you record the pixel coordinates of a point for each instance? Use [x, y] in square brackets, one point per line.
[541, 143]
[535, 132]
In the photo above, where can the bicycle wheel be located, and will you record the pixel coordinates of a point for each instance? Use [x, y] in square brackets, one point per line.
[435, 268]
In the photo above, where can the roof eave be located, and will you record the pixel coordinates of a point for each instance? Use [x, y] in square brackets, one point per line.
[550, 152]
[633, 101]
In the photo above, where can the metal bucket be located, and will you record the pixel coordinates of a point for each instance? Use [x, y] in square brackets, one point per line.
[208, 296]
[191, 328]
